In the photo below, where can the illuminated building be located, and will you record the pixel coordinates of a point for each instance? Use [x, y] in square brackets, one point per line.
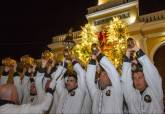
[147, 29]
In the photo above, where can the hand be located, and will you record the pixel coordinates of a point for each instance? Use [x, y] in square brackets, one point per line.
[73, 57]
[24, 70]
[67, 55]
[130, 42]
[30, 70]
[34, 67]
[128, 52]
[43, 63]
[49, 69]
[95, 49]
[135, 48]
[99, 51]
[50, 63]
[15, 67]
[94, 57]
[6, 68]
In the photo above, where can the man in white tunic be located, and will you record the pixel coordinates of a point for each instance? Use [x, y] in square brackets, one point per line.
[107, 97]
[8, 98]
[71, 90]
[5, 72]
[28, 80]
[11, 76]
[43, 76]
[142, 85]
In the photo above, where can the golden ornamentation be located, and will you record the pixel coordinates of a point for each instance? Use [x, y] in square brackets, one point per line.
[27, 61]
[47, 55]
[8, 62]
[112, 40]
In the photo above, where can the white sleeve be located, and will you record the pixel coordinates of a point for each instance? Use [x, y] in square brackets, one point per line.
[17, 83]
[127, 82]
[56, 75]
[152, 76]
[46, 102]
[39, 108]
[112, 73]
[58, 72]
[80, 75]
[60, 86]
[38, 82]
[90, 79]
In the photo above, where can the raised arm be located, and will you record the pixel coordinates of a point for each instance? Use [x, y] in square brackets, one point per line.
[127, 83]
[90, 78]
[58, 76]
[111, 71]
[39, 76]
[17, 83]
[44, 105]
[80, 74]
[38, 80]
[151, 74]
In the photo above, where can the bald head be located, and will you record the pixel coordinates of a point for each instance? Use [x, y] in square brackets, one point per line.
[8, 92]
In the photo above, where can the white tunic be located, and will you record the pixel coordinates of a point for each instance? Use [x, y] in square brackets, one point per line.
[136, 102]
[60, 71]
[25, 89]
[69, 104]
[3, 80]
[40, 82]
[17, 83]
[27, 98]
[87, 105]
[27, 108]
[102, 103]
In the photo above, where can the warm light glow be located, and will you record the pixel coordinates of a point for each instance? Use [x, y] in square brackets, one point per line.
[117, 37]
[102, 1]
[112, 40]
[132, 19]
[88, 37]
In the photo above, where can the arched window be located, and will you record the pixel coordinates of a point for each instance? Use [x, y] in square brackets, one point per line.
[159, 61]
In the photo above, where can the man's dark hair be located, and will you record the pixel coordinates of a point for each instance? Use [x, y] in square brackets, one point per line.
[71, 74]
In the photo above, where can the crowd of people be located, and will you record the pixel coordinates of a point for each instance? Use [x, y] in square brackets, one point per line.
[54, 88]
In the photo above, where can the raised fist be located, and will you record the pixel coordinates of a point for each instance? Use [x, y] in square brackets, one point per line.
[95, 49]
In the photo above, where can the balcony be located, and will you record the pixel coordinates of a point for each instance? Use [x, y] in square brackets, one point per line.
[153, 16]
[107, 5]
[58, 41]
[61, 38]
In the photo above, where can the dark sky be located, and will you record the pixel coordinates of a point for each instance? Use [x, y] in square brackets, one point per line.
[26, 27]
[149, 6]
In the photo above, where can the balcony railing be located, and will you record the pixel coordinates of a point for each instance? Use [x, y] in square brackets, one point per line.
[153, 16]
[106, 6]
[61, 38]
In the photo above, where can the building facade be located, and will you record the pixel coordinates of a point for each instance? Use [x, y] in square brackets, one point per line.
[147, 29]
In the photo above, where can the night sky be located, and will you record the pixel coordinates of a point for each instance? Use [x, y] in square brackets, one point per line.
[27, 26]
[149, 6]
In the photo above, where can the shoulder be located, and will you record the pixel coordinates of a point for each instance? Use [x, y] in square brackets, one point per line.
[10, 108]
